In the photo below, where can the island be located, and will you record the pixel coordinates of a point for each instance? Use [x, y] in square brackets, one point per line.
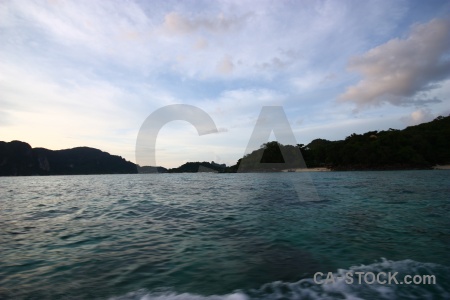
[423, 146]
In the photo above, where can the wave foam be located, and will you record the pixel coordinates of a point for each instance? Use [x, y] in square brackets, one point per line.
[308, 289]
[146, 295]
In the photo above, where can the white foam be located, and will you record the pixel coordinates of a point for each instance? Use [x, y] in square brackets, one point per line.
[308, 289]
[146, 295]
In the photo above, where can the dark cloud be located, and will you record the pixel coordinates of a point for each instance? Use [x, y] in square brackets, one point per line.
[401, 71]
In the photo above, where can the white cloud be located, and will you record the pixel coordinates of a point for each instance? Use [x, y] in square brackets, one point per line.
[235, 113]
[402, 70]
[338, 129]
[225, 66]
[312, 81]
[175, 23]
[88, 73]
[419, 116]
[241, 103]
[4, 118]
[84, 111]
[201, 44]
[263, 41]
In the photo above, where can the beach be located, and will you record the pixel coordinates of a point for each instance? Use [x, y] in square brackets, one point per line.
[308, 170]
[441, 167]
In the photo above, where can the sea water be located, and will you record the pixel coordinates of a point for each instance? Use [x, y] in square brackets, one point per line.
[223, 236]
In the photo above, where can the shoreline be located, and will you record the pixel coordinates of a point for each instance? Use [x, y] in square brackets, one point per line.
[319, 169]
[308, 170]
[441, 167]
[323, 169]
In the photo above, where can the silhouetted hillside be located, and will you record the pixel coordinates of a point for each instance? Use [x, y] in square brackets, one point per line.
[416, 147]
[18, 158]
[194, 167]
[148, 169]
[271, 157]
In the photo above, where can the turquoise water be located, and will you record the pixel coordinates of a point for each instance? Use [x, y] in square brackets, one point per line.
[222, 236]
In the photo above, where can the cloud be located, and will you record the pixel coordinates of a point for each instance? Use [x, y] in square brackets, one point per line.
[85, 110]
[242, 102]
[419, 116]
[445, 113]
[311, 81]
[201, 44]
[4, 118]
[340, 128]
[97, 69]
[268, 41]
[275, 64]
[225, 66]
[175, 23]
[401, 71]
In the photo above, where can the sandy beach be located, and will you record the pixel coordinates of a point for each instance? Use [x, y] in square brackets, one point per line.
[308, 170]
[442, 167]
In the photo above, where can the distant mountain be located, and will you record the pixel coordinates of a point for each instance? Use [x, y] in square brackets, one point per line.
[416, 147]
[148, 169]
[199, 167]
[18, 158]
[268, 158]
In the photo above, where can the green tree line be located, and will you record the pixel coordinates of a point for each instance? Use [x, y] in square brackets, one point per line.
[416, 147]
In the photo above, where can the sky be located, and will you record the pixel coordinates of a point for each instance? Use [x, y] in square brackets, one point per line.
[88, 73]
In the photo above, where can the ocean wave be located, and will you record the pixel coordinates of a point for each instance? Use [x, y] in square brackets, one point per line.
[339, 289]
[146, 295]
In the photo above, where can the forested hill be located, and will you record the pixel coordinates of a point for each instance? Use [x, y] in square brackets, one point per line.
[199, 167]
[18, 158]
[416, 147]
